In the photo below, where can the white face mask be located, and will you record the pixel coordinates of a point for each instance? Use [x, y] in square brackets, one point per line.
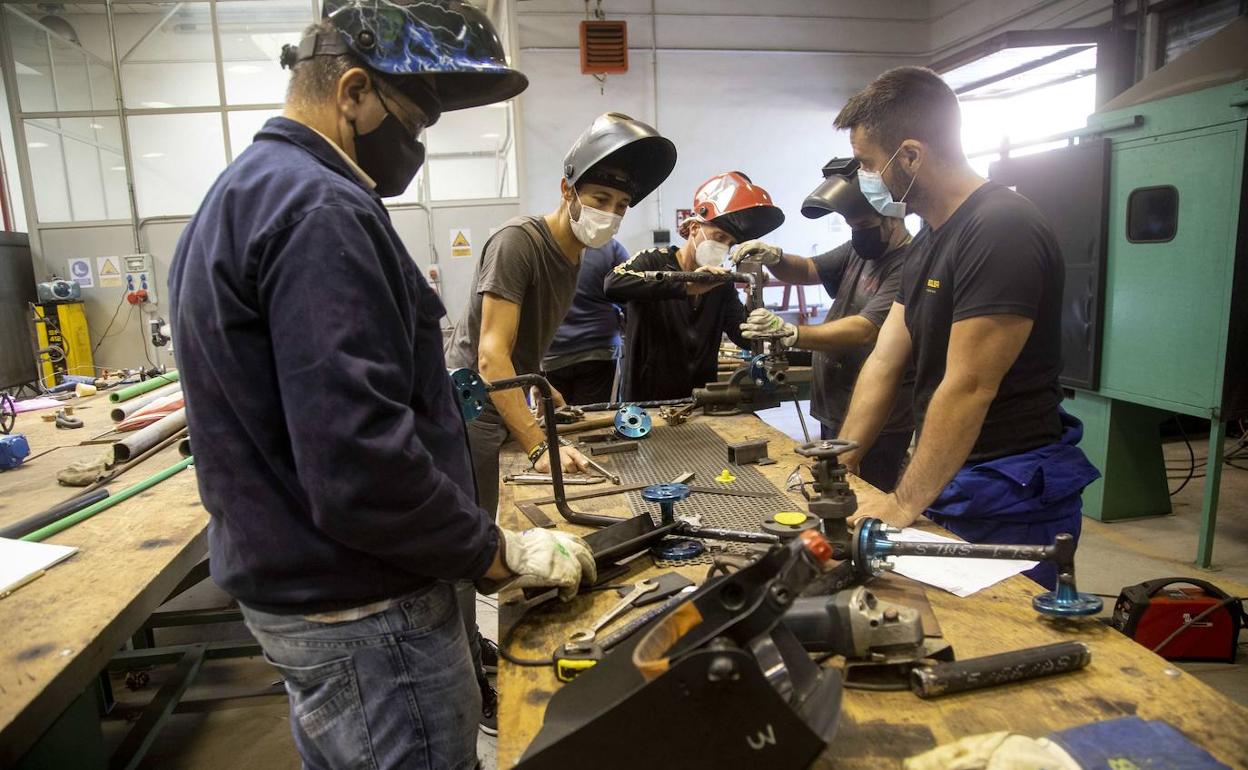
[710, 253]
[594, 227]
[871, 183]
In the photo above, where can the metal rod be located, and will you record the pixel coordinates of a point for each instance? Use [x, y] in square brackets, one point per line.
[802, 418]
[103, 505]
[993, 670]
[150, 436]
[40, 520]
[968, 550]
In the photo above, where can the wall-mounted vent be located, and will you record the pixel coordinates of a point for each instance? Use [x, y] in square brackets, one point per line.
[604, 47]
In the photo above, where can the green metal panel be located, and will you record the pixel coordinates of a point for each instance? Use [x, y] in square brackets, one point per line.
[1167, 304]
[1123, 440]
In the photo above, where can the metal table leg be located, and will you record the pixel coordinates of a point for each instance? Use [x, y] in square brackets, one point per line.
[1209, 504]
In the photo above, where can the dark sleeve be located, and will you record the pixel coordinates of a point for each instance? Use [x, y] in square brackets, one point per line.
[622, 287]
[831, 267]
[619, 254]
[1000, 264]
[734, 316]
[877, 307]
[507, 265]
[335, 297]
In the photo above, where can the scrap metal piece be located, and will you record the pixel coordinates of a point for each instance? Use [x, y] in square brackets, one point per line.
[535, 515]
[611, 448]
[752, 451]
[546, 478]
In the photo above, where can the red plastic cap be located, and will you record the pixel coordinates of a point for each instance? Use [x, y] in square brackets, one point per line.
[817, 544]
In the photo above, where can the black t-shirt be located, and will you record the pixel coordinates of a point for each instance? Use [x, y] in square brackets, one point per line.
[995, 256]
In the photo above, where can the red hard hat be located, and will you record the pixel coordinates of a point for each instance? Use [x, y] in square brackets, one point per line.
[733, 203]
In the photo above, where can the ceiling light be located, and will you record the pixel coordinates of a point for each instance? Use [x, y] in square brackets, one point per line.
[490, 136]
[36, 145]
[116, 168]
[97, 126]
[244, 69]
[151, 155]
[155, 105]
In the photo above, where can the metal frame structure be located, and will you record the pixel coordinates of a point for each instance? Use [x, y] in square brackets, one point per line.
[119, 111]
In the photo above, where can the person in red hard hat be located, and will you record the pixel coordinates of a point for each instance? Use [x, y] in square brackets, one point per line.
[674, 329]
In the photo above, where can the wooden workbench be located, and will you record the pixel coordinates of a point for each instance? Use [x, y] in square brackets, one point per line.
[879, 729]
[60, 630]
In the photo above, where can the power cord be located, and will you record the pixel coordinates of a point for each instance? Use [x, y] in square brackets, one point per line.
[1209, 611]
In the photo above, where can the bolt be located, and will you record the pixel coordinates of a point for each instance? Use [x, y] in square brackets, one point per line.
[780, 594]
[722, 668]
[890, 614]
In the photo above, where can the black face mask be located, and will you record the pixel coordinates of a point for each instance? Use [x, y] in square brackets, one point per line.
[389, 154]
[869, 242]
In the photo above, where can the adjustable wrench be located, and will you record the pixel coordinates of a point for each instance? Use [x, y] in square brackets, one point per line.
[639, 589]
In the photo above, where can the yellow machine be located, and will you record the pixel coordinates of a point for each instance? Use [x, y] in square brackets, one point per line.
[63, 325]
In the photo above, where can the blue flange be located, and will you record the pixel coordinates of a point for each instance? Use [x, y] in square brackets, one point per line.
[470, 393]
[677, 549]
[1066, 602]
[632, 422]
[666, 495]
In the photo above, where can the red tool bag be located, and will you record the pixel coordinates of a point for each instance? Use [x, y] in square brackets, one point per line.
[1153, 611]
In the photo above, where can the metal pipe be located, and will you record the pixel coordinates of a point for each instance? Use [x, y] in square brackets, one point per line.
[153, 434]
[105, 504]
[127, 155]
[62, 509]
[125, 394]
[123, 411]
[552, 448]
[184, 447]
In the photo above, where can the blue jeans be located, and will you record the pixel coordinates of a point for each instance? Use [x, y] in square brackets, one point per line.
[393, 690]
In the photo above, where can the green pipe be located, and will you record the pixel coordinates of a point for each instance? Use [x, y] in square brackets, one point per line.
[105, 504]
[125, 394]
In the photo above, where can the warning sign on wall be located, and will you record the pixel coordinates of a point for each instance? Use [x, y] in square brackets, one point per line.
[109, 269]
[461, 242]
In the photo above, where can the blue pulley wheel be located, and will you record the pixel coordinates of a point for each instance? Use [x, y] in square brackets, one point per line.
[470, 393]
[632, 422]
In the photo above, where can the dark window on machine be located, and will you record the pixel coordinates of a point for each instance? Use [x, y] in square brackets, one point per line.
[1152, 214]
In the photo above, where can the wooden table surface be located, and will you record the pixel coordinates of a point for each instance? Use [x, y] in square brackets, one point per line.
[60, 630]
[880, 729]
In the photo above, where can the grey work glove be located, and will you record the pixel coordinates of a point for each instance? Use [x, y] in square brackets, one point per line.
[547, 557]
[757, 251]
[764, 323]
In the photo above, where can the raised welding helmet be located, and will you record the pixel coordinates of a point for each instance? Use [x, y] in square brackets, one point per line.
[443, 54]
[838, 192]
[736, 205]
[619, 152]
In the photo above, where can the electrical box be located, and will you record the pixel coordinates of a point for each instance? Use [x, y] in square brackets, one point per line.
[138, 270]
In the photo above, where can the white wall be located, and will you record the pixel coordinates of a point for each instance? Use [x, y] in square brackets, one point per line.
[738, 88]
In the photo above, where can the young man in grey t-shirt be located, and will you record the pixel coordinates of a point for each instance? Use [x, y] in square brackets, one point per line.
[522, 289]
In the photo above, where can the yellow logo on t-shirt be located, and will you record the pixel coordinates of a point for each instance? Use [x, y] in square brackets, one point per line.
[932, 285]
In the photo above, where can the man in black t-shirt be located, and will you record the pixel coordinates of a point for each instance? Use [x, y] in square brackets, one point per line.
[863, 276]
[979, 316]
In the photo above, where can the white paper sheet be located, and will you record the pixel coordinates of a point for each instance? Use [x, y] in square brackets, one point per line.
[960, 577]
[20, 559]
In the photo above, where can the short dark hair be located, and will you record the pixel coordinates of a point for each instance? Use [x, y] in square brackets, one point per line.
[907, 103]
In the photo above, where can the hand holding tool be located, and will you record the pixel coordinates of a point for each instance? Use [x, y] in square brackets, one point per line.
[758, 251]
[545, 557]
[763, 323]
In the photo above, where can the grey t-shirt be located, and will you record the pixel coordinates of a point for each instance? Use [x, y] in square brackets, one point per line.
[866, 288]
[523, 264]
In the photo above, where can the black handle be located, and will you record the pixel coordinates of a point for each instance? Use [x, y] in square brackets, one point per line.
[1151, 587]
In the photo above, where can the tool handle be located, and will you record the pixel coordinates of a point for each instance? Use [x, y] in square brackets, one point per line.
[993, 670]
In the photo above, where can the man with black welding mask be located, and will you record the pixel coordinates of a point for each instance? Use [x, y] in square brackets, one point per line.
[862, 276]
[978, 316]
[329, 448]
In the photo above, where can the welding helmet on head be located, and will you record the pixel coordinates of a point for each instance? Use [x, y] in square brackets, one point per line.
[735, 205]
[619, 152]
[838, 192]
[443, 54]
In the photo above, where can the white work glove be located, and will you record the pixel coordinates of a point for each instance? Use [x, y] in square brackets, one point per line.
[546, 557]
[757, 251]
[763, 322]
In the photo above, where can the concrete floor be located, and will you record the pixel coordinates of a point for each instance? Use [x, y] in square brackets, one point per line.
[235, 715]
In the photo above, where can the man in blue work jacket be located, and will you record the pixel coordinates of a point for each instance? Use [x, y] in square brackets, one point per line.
[329, 449]
[979, 315]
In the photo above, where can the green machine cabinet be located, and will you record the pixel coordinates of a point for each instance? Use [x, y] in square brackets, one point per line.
[1166, 311]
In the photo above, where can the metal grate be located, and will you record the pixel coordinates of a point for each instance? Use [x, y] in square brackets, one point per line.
[604, 47]
[696, 447]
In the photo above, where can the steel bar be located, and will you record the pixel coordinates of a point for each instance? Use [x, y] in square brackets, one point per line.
[60, 510]
[122, 411]
[150, 436]
[993, 670]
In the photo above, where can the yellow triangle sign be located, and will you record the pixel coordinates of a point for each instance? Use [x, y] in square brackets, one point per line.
[460, 241]
[109, 268]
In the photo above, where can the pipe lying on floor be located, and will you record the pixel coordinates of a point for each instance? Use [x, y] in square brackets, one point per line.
[103, 505]
[123, 411]
[60, 510]
[184, 447]
[125, 394]
[132, 446]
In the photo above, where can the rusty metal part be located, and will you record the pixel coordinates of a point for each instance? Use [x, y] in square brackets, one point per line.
[535, 515]
[751, 451]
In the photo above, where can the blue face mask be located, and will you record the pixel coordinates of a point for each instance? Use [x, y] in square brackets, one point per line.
[871, 183]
